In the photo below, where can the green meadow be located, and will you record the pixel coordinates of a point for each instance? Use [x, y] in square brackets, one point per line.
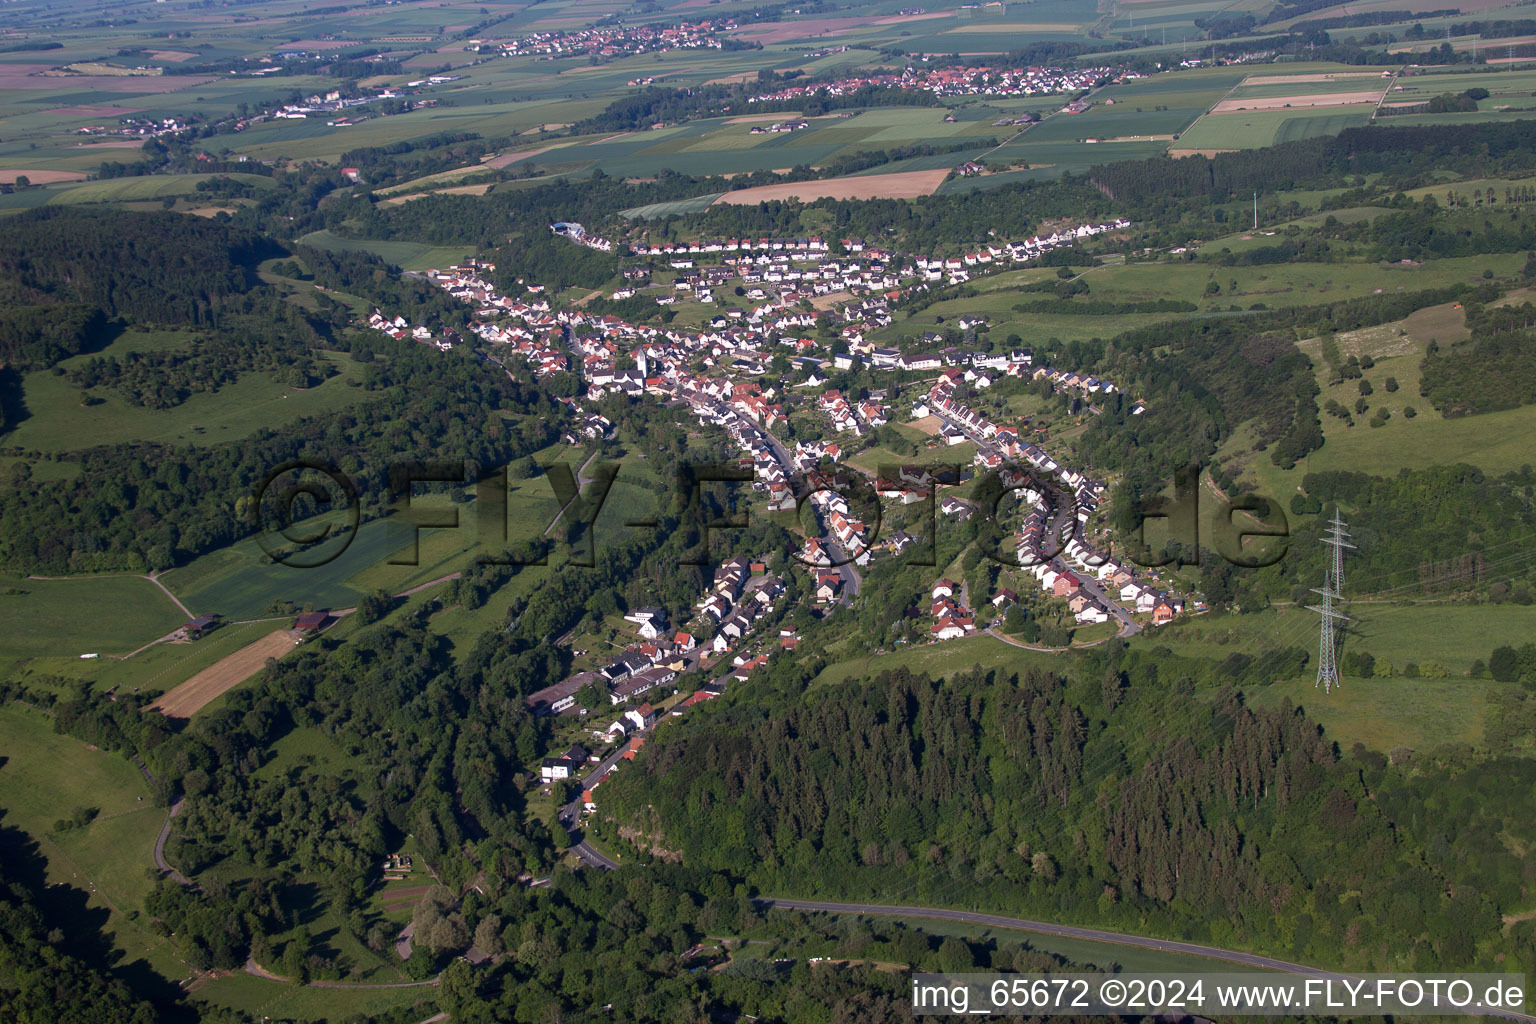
[43, 778]
[57, 421]
[85, 615]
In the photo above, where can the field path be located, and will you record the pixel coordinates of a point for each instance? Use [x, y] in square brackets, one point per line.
[154, 578]
[228, 672]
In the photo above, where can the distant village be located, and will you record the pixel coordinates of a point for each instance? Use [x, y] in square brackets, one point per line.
[609, 41]
[961, 81]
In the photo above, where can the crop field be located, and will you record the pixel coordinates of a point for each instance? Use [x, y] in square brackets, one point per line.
[1272, 286]
[240, 582]
[1254, 129]
[157, 186]
[902, 185]
[154, 668]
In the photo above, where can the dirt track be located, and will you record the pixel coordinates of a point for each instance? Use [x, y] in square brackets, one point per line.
[228, 672]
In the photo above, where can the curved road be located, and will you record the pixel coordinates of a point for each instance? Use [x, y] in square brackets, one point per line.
[1072, 932]
[165, 831]
[1233, 956]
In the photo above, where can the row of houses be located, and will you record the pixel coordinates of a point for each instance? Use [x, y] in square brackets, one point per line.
[951, 619]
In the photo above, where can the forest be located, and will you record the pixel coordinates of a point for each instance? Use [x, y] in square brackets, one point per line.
[1219, 822]
[141, 505]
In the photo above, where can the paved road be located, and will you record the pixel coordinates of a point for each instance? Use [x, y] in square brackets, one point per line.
[851, 578]
[570, 816]
[1128, 625]
[1072, 932]
[165, 831]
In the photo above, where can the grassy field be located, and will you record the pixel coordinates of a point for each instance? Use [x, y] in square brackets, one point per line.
[57, 421]
[1498, 442]
[67, 618]
[405, 255]
[939, 659]
[1382, 713]
[43, 777]
[1102, 955]
[277, 1000]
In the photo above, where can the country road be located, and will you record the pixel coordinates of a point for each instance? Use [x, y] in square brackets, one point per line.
[165, 831]
[1066, 931]
[1073, 932]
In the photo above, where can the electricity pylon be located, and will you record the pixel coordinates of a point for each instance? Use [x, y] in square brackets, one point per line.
[1332, 590]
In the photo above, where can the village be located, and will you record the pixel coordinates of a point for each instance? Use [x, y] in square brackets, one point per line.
[961, 81]
[609, 41]
[721, 374]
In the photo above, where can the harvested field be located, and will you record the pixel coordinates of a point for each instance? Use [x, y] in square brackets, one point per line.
[754, 118]
[402, 895]
[929, 425]
[457, 190]
[902, 185]
[173, 56]
[193, 695]
[98, 110]
[508, 159]
[975, 27]
[10, 79]
[1320, 76]
[41, 177]
[785, 31]
[1330, 99]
